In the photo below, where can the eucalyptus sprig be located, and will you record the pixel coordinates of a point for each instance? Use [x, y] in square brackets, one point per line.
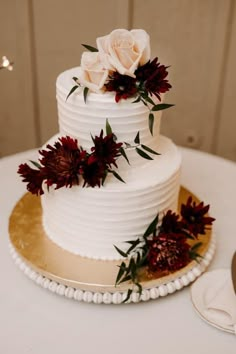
[141, 149]
[147, 101]
[137, 259]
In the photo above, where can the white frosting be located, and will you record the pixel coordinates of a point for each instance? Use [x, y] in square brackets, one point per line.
[90, 221]
[79, 119]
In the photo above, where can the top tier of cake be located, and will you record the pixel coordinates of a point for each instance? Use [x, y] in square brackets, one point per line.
[80, 120]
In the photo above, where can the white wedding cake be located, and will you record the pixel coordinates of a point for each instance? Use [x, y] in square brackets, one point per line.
[90, 221]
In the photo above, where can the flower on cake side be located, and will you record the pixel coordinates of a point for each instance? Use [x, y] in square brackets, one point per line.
[121, 63]
[66, 164]
[165, 247]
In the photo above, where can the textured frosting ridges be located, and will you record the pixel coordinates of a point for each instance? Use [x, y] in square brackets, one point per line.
[79, 119]
[90, 221]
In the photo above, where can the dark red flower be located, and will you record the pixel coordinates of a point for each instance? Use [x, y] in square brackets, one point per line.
[171, 223]
[168, 251]
[194, 217]
[153, 75]
[105, 149]
[62, 162]
[33, 177]
[93, 172]
[123, 85]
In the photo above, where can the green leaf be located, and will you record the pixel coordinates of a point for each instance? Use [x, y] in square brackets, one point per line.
[144, 102]
[75, 79]
[108, 128]
[90, 48]
[149, 150]
[148, 99]
[152, 227]
[196, 246]
[137, 100]
[126, 278]
[85, 92]
[129, 292]
[117, 176]
[36, 164]
[140, 288]
[123, 153]
[137, 139]
[71, 91]
[122, 253]
[121, 272]
[127, 145]
[133, 269]
[143, 154]
[161, 106]
[133, 245]
[151, 122]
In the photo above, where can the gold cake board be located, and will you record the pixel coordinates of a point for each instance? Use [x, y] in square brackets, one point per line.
[83, 278]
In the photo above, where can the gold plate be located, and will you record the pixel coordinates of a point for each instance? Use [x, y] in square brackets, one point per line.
[46, 258]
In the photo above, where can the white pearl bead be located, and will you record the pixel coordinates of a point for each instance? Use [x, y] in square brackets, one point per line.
[185, 280]
[61, 290]
[97, 298]
[78, 295]
[163, 290]
[117, 298]
[191, 276]
[88, 296]
[171, 288]
[107, 298]
[52, 286]
[69, 292]
[45, 283]
[154, 293]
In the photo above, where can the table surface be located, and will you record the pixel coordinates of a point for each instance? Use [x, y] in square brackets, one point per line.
[34, 320]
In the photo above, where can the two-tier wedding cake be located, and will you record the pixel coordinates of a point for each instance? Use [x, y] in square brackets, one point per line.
[109, 182]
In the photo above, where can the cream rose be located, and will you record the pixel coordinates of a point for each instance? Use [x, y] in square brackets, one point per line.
[92, 73]
[124, 50]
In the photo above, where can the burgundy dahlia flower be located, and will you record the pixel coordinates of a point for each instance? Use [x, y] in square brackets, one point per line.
[153, 76]
[171, 223]
[105, 150]
[123, 85]
[92, 172]
[62, 162]
[33, 177]
[194, 217]
[168, 251]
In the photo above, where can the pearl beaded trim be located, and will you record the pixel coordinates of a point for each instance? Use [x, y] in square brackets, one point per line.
[116, 297]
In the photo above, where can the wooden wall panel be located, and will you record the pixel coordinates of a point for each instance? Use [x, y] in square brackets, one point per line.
[225, 144]
[59, 29]
[189, 36]
[17, 120]
[196, 37]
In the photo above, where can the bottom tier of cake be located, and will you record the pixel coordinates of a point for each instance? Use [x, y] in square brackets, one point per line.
[90, 221]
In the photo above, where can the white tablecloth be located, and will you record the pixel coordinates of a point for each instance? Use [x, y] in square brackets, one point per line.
[33, 320]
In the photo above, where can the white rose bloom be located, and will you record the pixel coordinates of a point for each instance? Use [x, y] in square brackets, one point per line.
[124, 50]
[92, 73]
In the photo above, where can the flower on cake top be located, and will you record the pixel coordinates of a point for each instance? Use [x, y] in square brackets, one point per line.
[121, 64]
[91, 73]
[124, 51]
